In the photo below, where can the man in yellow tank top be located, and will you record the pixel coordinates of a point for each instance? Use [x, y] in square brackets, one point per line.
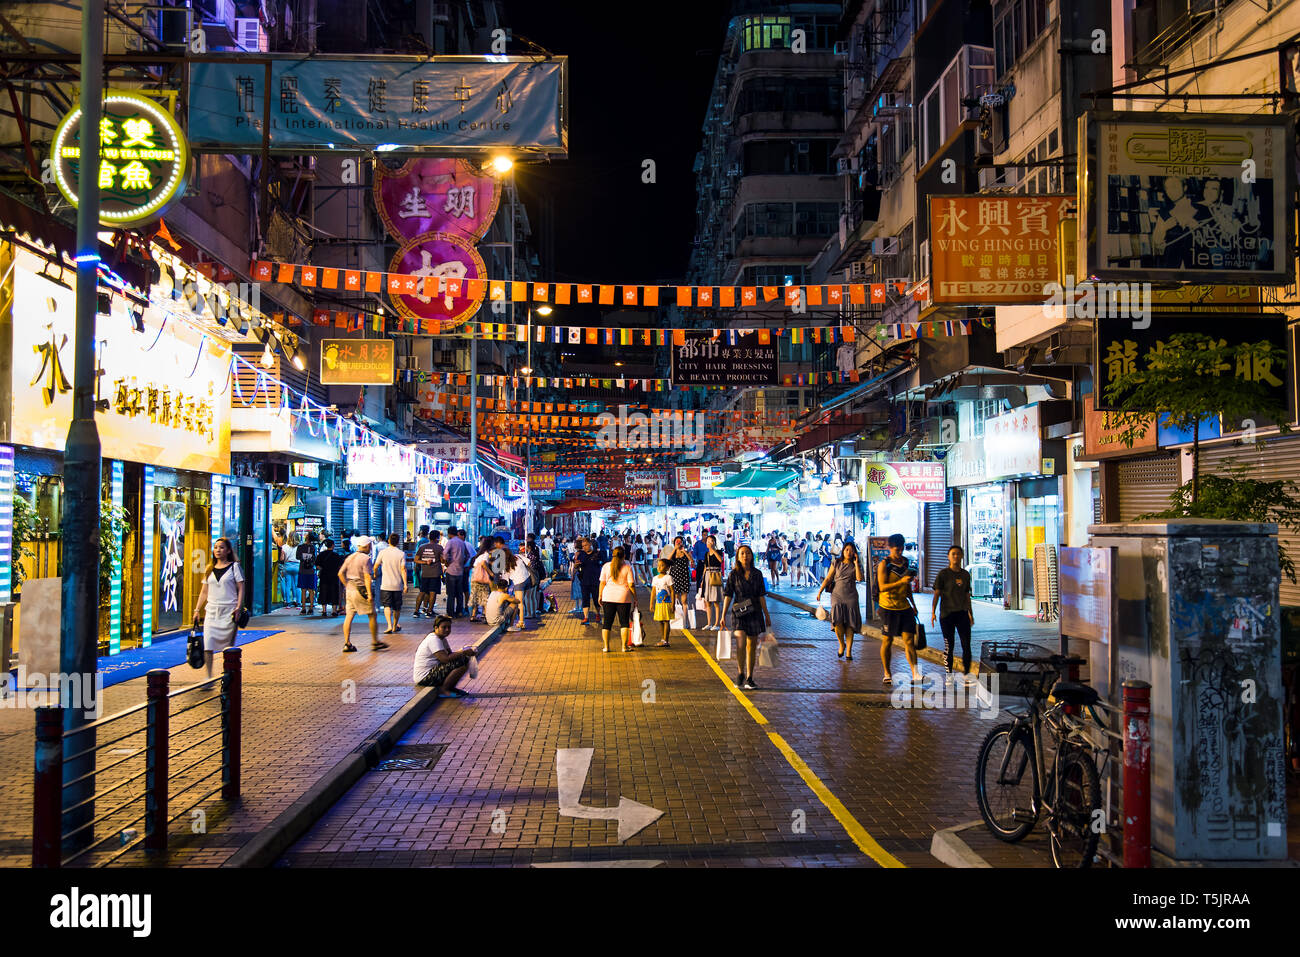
[894, 595]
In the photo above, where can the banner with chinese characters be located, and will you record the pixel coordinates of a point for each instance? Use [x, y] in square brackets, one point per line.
[557, 481]
[166, 388]
[903, 481]
[436, 194]
[1013, 444]
[446, 451]
[438, 256]
[738, 359]
[380, 464]
[1188, 197]
[1120, 347]
[690, 478]
[1102, 430]
[995, 249]
[364, 103]
[356, 361]
[143, 158]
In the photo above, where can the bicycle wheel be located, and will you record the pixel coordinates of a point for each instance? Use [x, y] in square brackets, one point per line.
[1004, 783]
[1072, 826]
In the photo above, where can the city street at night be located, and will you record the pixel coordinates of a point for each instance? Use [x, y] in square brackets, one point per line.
[854, 436]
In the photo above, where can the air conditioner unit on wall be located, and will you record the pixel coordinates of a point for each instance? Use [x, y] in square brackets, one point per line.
[250, 36]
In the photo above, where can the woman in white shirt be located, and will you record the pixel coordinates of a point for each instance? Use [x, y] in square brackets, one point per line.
[617, 594]
[222, 595]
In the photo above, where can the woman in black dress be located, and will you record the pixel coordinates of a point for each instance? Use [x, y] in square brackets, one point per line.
[679, 567]
[746, 595]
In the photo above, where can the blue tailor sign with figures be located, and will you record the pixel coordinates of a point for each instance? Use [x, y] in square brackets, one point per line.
[378, 103]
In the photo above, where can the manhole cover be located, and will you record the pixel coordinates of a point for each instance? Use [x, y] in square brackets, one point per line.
[411, 757]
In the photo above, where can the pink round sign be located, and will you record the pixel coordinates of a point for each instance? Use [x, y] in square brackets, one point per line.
[437, 256]
[436, 195]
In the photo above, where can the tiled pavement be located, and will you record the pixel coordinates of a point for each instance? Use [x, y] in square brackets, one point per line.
[669, 733]
[297, 725]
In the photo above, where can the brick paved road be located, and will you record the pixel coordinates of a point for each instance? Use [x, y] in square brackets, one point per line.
[692, 749]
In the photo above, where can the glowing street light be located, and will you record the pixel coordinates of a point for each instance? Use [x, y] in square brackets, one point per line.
[502, 164]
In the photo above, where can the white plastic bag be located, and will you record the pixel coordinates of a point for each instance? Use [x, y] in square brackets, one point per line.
[638, 636]
[767, 652]
[473, 666]
[678, 621]
[700, 603]
[691, 612]
[723, 649]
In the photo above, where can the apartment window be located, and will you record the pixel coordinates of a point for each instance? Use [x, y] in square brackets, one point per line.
[967, 77]
[766, 33]
[767, 219]
[816, 219]
[774, 274]
[777, 95]
[1016, 25]
[769, 157]
[1042, 179]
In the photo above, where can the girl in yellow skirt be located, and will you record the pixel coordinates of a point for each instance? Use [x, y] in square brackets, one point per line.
[665, 599]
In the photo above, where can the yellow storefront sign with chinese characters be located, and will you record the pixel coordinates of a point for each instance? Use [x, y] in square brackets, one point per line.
[164, 395]
[144, 158]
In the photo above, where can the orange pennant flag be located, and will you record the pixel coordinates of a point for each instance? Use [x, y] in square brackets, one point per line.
[835, 295]
[857, 294]
[562, 293]
[679, 337]
[849, 333]
[474, 288]
[607, 295]
[374, 281]
[727, 297]
[764, 337]
[329, 278]
[394, 283]
[877, 293]
[749, 295]
[814, 295]
[769, 293]
[705, 296]
[285, 273]
[650, 296]
[309, 275]
[793, 294]
[539, 292]
[262, 272]
[683, 295]
[496, 290]
[519, 292]
[584, 294]
[352, 280]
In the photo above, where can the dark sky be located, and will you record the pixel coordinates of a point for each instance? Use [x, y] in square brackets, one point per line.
[639, 80]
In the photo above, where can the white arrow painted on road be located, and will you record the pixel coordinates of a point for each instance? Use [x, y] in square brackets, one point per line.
[571, 767]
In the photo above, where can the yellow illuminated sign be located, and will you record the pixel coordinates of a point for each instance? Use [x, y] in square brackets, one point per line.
[143, 158]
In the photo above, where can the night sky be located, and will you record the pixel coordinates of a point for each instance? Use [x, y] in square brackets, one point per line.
[639, 86]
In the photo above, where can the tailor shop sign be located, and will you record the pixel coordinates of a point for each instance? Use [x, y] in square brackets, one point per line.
[165, 391]
[378, 103]
[143, 159]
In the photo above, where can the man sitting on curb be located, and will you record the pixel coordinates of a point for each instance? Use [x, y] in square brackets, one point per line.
[501, 609]
[436, 665]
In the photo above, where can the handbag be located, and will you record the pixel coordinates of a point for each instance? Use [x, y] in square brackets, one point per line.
[767, 652]
[920, 644]
[194, 649]
[722, 651]
[743, 607]
[241, 619]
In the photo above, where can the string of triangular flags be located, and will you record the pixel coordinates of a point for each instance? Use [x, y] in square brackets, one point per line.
[586, 382]
[605, 294]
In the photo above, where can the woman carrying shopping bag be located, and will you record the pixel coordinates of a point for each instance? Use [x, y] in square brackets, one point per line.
[745, 594]
[846, 612]
[714, 567]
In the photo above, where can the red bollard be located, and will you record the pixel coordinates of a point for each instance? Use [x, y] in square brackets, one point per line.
[47, 796]
[156, 760]
[1137, 774]
[232, 702]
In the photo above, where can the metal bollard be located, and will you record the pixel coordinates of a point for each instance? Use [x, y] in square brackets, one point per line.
[232, 693]
[47, 794]
[157, 745]
[1137, 774]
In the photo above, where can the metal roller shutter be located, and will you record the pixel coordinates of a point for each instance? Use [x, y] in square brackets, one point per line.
[377, 524]
[340, 516]
[938, 539]
[1279, 459]
[1145, 484]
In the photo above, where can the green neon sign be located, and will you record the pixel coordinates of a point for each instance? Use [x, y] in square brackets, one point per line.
[144, 158]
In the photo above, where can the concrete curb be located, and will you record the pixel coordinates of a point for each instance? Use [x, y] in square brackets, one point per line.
[292, 823]
[948, 847]
[930, 653]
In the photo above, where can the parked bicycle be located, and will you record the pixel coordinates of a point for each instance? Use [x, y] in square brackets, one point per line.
[1042, 765]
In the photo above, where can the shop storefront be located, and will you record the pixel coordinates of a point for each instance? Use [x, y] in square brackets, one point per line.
[164, 428]
[1007, 492]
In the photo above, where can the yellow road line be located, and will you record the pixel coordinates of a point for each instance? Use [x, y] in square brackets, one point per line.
[857, 833]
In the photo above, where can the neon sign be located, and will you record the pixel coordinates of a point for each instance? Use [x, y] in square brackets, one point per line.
[143, 158]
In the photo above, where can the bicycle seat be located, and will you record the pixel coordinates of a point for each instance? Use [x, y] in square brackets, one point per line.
[1075, 693]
